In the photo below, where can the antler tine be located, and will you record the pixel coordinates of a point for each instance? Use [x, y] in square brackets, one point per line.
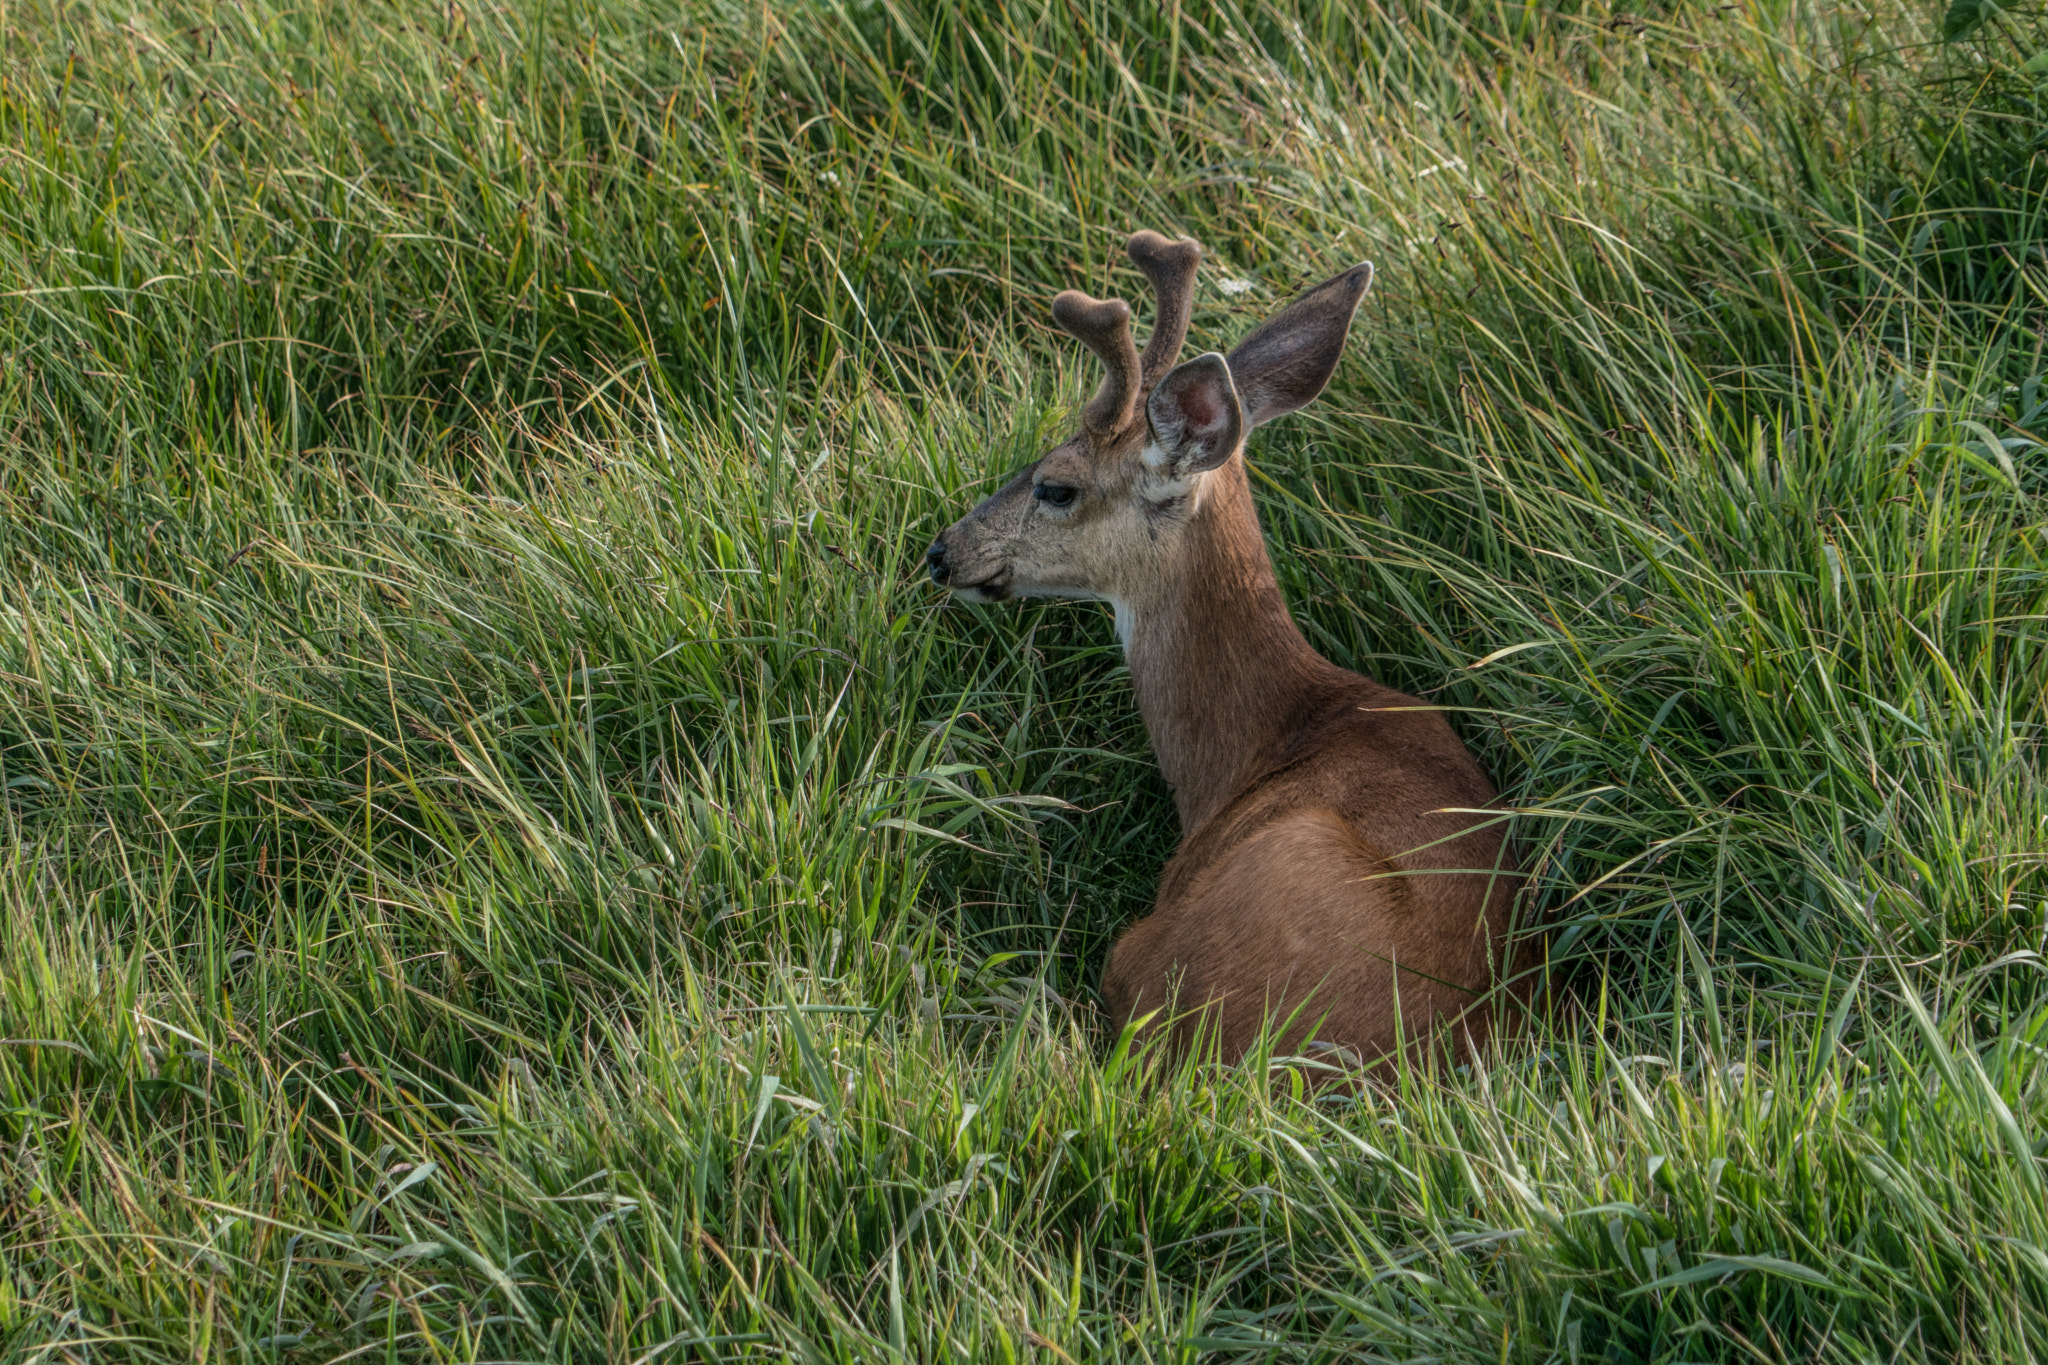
[1104, 327]
[1171, 268]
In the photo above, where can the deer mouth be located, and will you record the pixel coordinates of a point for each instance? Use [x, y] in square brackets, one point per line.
[994, 588]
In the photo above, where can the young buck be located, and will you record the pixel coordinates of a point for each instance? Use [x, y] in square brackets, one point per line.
[1333, 872]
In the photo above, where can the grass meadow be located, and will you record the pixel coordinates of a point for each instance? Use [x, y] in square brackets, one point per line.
[504, 857]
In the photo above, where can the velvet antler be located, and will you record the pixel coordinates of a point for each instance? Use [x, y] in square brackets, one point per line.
[1104, 327]
[1171, 268]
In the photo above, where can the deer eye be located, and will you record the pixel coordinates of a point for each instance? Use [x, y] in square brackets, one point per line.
[1054, 494]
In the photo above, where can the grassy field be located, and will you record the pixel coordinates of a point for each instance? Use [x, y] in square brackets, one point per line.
[503, 857]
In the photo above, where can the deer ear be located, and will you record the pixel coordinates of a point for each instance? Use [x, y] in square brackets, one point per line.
[1288, 359]
[1197, 420]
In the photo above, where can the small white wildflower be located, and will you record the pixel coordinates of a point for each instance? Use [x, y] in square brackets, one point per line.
[830, 177]
[1234, 287]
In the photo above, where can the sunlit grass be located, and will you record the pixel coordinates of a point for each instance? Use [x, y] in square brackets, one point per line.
[505, 858]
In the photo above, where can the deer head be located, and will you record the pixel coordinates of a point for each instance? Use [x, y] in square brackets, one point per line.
[1106, 513]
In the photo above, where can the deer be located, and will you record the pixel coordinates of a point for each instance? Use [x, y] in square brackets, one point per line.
[1343, 882]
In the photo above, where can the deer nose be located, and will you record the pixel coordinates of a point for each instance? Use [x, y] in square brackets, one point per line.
[935, 560]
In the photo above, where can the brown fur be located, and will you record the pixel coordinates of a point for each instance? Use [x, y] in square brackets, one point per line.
[1333, 860]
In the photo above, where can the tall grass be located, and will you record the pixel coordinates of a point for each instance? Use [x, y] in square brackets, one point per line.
[504, 858]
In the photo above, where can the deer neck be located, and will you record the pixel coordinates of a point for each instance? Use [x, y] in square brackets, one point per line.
[1222, 675]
